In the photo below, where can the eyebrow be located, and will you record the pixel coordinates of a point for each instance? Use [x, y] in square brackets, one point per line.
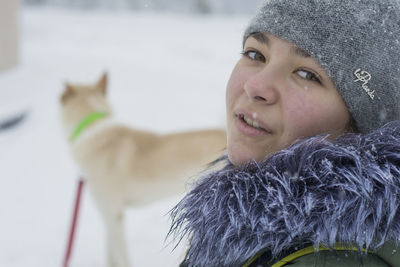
[301, 52]
[263, 39]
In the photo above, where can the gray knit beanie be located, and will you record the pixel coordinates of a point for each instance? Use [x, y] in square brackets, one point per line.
[357, 42]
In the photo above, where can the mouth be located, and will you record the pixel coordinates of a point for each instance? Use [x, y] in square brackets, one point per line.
[250, 126]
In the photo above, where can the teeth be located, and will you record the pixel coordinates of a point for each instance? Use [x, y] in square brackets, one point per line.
[251, 122]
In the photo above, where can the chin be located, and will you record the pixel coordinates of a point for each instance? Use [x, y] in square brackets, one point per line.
[239, 155]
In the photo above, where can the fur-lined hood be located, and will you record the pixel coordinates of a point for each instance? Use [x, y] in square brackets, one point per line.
[317, 191]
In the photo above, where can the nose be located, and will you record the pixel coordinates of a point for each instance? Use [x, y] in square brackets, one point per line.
[262, 87]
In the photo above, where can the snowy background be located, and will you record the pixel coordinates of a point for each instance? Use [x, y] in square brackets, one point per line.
[167, 73]
[193, 6]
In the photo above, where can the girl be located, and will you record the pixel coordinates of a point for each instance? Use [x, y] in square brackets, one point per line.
[313, 173]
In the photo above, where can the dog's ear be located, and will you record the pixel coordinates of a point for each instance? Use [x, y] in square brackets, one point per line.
[102, 83]
[68, 92]
[68, 87]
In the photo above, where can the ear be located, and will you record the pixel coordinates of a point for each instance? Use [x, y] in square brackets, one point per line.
[102, 83]
[68, 87]
[68, 92]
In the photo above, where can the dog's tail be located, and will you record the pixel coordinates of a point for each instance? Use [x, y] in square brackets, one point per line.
[12, 121]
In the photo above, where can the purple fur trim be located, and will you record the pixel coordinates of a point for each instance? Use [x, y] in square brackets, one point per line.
[316, 191]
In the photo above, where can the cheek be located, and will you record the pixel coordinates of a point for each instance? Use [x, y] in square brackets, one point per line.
[311, 115]
[235, 85]
[297, 114]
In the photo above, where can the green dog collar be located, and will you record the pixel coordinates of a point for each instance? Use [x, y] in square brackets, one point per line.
[86, 122]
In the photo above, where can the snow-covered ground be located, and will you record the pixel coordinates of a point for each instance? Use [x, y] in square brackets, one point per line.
[167, 73]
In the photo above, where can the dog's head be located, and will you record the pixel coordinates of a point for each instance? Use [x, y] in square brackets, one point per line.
[79, 101]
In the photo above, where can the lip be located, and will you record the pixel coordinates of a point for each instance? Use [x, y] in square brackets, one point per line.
[248, 130]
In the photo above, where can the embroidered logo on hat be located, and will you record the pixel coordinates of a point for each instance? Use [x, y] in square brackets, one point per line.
[365, 77]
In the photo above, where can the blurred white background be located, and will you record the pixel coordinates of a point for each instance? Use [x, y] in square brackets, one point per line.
[186, 6]
[168, 64]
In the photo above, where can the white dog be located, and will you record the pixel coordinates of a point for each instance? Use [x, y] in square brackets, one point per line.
[124, 166]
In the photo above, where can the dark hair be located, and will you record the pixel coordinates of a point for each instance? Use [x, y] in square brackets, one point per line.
[352, 125]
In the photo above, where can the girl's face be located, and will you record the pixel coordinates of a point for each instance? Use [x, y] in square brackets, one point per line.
[276, 94]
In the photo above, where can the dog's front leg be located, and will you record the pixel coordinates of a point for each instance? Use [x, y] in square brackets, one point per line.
[111, 207]
[116, 243]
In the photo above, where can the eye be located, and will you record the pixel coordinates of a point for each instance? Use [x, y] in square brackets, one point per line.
[254, 55]
[308, 75]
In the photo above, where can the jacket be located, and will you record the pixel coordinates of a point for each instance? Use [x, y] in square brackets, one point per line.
[339, 200]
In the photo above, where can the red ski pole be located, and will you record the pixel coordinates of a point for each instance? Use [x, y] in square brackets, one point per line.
[73, 223]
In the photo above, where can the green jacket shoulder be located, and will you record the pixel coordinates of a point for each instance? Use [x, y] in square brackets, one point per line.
[386, 256]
